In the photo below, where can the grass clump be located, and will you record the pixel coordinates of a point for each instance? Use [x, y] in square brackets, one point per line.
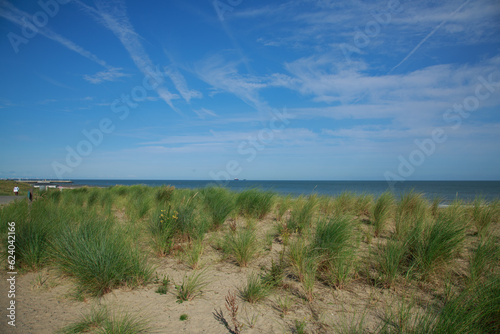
[471, 311]
[484, 260]
[382, 211]
[192, 255]
[411, 208]
[283, 206]
[345, 203]
[482, 215]
[335, 243]
[164, 194]
[363, 205]
[390, 259]
[302, 214]
[433, 246]
[99, 257]
[255, 203]
[219, 203]
[242, 245]
[101, 320]
[255, 290]
[162, 229]
[191, 286]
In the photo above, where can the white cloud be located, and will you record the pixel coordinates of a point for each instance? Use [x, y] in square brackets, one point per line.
[113, 16]
[109, 75]
[181, 85]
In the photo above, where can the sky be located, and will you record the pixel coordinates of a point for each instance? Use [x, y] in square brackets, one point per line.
[264, 90]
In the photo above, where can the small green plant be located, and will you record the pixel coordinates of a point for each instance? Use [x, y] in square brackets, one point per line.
[191, 286]
[284, 304]
[183, 317]
[163, 288]
[193, 254]
[300, 326]
[382, 211]
[309, 279]
[298, 254]
[100, 320]
[274, 277]
[255, 289]
[242, 245]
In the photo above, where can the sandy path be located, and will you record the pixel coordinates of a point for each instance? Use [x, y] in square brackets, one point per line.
[8, 199]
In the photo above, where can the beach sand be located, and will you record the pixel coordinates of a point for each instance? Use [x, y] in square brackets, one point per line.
[44, 302]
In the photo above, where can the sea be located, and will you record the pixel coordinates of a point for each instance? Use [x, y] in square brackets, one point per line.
[446, 191]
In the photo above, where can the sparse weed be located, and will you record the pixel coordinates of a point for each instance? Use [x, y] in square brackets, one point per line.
[255, 289]
[100, 320]
[191, 286]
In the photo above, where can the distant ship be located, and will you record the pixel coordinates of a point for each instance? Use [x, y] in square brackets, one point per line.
[236, 179]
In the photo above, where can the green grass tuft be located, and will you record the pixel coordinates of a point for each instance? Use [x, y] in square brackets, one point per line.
[382, 211]
[191, 286]
[219, 203]
[242, 245]
[255, 203]
[99, 257]
[255, 290]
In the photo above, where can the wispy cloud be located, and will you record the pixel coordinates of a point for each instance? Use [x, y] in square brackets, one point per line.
[113, 16]
[181, 85]
[109, 75]
[223, 75]
[203, 112]
[15, 15]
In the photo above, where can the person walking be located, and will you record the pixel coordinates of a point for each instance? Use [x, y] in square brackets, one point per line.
[16, 190]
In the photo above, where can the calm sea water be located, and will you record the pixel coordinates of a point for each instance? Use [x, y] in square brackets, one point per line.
[446, 190]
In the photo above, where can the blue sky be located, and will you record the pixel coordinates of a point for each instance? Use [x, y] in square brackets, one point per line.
[325, 90]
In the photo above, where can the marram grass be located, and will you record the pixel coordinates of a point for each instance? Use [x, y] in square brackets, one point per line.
[99, 257]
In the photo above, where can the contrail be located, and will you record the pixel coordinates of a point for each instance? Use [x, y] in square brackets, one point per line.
[428, 36]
